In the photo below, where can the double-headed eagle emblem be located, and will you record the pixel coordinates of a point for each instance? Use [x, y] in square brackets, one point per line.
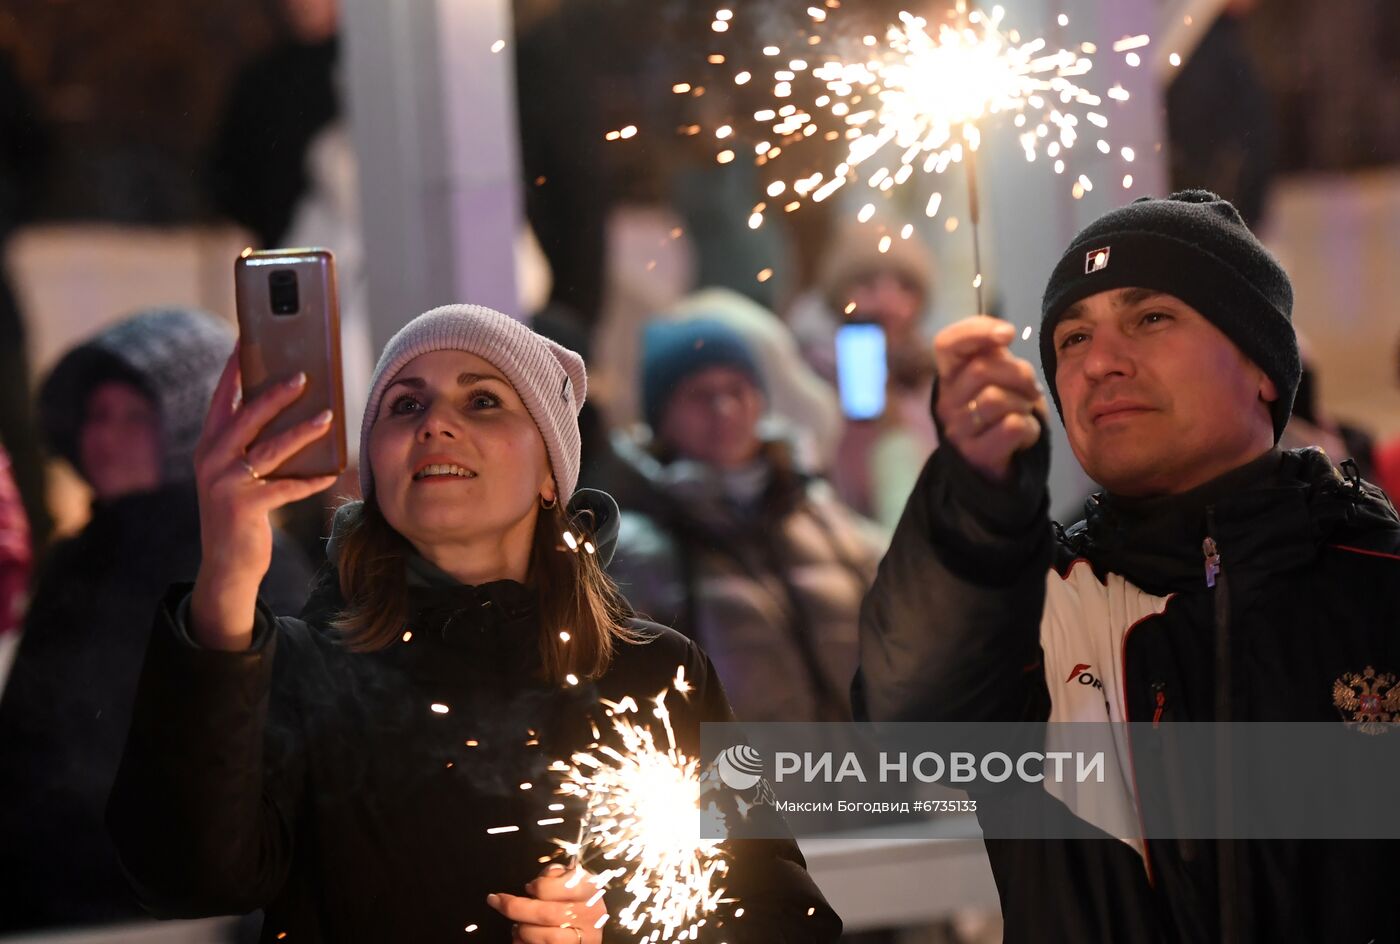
[1369, 701]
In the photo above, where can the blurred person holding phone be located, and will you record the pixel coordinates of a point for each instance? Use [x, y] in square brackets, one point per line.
[732, 540]
[124, 409]
[1166, 332]
[865, 330]
[378, 769]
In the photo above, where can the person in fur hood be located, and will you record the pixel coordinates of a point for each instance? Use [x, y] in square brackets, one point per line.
[124, 408]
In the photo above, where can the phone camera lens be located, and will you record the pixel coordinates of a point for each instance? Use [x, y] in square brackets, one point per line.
[282, 288]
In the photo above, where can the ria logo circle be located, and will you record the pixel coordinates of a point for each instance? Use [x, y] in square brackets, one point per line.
[740, 767]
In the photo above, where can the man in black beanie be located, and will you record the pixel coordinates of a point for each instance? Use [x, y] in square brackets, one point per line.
[1224, 579]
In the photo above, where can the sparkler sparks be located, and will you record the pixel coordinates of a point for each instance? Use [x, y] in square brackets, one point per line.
[912, 103]
[642, 823]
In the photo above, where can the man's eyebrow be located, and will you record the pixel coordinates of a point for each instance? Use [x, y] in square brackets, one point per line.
[1072, 312]
[1123, 298]
[1133, 296]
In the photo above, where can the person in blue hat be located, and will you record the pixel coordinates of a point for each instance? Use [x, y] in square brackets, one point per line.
[733, 541]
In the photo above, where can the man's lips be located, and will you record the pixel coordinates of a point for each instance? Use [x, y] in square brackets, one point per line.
[1116, 410]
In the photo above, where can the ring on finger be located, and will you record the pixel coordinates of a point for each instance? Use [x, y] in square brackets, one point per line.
[976, 416]
[252, 472]
[578, 933]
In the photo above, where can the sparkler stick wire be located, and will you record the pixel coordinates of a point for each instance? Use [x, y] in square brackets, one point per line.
[577, 857]
[974, 215]
[974, 210]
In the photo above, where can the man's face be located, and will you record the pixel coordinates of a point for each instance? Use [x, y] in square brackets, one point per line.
[712, 417]
[1156, 399]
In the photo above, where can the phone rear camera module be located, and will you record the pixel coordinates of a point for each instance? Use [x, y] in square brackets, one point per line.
[282, 289]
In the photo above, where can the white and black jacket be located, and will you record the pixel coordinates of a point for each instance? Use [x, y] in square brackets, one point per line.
[984, 611]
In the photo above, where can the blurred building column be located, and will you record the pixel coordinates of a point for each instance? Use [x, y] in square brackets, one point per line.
[432, 109]
[1033, 213]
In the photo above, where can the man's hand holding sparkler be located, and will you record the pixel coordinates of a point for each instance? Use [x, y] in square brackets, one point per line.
[560, 907]
[990, 404]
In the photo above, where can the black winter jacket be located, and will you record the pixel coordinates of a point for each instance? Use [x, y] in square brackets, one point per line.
[67, 703]
[983, 611]
[321, 785]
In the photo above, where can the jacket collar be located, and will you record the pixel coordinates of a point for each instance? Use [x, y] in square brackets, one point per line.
[497, 618]
[1266, 517]
[712, 499]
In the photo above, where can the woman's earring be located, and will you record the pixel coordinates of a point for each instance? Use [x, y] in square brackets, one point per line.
[547, 505]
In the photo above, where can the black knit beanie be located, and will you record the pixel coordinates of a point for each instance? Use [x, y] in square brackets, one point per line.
[1195, 246]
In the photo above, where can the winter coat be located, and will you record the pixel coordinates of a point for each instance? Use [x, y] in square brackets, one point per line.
[982, 611]
[67, 704]
[770, 589]
[323, 786]
[66, 708]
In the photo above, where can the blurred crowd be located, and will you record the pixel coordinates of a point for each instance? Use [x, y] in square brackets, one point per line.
[755, 511]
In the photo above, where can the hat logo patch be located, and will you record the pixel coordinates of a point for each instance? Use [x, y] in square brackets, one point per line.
[1096, 260]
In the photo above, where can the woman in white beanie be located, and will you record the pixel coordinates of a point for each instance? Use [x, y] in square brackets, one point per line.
[379, 769]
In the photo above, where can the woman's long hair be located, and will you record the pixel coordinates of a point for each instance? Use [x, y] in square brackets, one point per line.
[575, 596]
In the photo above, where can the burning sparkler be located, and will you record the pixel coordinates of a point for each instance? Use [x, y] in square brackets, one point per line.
[642, 823]
[914, 103]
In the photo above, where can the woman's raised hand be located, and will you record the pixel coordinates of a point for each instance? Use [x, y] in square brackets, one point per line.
[236, 499]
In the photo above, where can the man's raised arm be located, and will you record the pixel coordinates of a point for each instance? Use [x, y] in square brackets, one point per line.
[950, 630]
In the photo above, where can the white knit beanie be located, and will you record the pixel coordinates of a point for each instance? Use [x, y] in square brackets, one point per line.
[550, 378]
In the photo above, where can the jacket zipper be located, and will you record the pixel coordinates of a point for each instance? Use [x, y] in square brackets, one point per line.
[1228, 876]
[1212, 555]
[1216, 581]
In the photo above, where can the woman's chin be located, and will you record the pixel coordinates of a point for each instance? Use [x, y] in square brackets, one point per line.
[443, 522]
[442, 518]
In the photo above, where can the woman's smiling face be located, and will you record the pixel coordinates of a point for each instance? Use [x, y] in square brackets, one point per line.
[455, 454]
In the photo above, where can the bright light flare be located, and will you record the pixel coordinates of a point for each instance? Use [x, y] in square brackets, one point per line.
[913, 100]
[642, 823]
